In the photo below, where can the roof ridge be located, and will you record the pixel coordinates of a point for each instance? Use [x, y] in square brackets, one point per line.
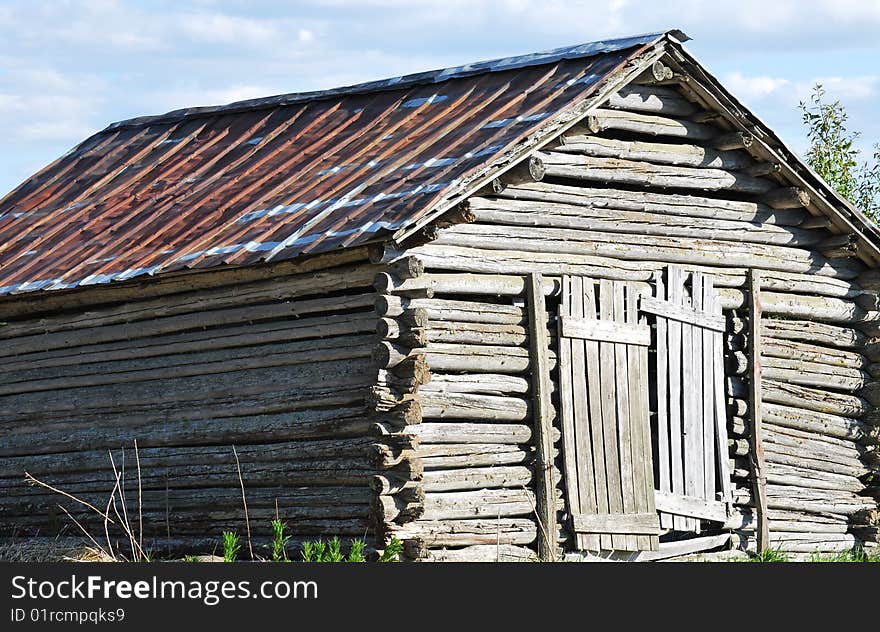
[428, 77]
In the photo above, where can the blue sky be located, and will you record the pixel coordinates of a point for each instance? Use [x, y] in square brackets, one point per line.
[70, 67]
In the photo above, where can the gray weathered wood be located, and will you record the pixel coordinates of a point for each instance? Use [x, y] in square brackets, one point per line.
[620, 172]
[602, 120]
[608, 386]
[756, 456]
[567, 403]
[603, 331]
[691, 507]
[694, 422]
[675, 289]
[652, 99]
[710, 398]
[664, 482]
[542, 419]
[658, 153]
[609, 467]
[623, 524]
[595, 486]
[700, 318]
[626, 405]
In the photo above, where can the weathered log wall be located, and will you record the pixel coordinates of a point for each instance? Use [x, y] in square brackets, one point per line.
[632, 190]
[278, 365]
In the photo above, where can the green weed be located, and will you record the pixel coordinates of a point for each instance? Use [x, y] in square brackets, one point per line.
[231, 546]
[392, 551]
[279, 541]
[331, 551]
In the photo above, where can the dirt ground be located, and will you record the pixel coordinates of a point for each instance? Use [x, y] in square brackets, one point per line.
[63, 549]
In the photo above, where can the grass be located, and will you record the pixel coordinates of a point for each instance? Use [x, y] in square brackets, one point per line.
[770, 556]
[231, 546]
[857, 555]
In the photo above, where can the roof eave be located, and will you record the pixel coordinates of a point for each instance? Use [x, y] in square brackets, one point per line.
[824, 199]
[845, 216]
[555, 126]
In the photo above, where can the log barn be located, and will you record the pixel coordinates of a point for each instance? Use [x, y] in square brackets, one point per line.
[580, 304]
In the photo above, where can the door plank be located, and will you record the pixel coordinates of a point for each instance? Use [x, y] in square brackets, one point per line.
[675, 293]
[625, 440]
[721, 450]
[693, 426]
[639, 422]
[607, 369]
[661, 453]
[709, 396]
[599, 479]
[583, 440]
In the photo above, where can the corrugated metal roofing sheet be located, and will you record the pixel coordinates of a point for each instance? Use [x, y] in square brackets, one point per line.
[278, 177]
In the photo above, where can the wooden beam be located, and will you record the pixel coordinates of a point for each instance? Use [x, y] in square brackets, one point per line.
[628, 524]
[605, 331]
[734, 140]
[667, 550]
[545, 497]
[690, 507]
[531, 170]
[658, 71]
[756, 455]
[669, 310]
[786, 197]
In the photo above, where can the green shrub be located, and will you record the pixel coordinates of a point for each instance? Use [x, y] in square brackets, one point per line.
[835, 157]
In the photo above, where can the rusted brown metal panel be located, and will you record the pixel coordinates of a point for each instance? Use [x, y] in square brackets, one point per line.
[283, 176]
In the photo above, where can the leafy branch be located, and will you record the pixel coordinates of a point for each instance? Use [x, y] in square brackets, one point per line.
[834, 156]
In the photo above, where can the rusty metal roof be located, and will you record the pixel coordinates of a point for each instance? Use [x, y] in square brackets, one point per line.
[278, 177]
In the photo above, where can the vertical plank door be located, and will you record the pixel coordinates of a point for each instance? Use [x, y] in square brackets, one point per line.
[603, 383]
[691, 423]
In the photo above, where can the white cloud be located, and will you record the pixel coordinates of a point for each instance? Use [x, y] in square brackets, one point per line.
[851, 88]
[762, 88]
[225, 29]
[754, 88]
[63, 130]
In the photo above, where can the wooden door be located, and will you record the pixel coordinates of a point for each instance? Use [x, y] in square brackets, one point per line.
[693, 478]
[603, 374]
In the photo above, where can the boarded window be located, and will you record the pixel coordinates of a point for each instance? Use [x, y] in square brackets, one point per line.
[690, 434]
[603, 383]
